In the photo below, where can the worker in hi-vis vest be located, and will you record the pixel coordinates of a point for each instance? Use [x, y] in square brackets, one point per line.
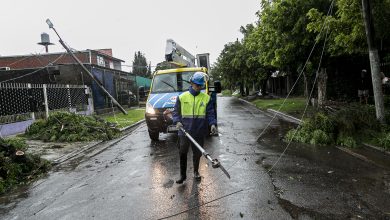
[194, 112]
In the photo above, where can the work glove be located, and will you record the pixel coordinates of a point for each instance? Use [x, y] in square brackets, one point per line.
[179, 125]
[213, 130]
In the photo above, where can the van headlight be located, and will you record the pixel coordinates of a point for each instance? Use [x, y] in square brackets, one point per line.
[150, 109]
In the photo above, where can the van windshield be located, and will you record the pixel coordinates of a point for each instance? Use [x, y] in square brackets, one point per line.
[171, 82]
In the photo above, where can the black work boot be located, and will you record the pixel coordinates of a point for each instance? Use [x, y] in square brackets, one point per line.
[197, 177]
[181, 180]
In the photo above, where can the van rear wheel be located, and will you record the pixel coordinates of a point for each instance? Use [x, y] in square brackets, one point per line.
[153, 135]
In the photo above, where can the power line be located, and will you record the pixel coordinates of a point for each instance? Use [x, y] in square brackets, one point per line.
[138, 66]
[24, 58]
[35, 71]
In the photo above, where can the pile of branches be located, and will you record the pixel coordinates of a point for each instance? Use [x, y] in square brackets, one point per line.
[70, 127]
[16, 166]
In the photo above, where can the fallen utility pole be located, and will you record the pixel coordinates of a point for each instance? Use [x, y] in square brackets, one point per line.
[214, 162]
[374, 61]
[116, 103]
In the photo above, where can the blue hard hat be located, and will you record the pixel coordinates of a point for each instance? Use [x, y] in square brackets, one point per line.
[198, 78]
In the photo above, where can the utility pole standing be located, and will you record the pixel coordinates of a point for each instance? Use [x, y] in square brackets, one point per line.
[374, 61]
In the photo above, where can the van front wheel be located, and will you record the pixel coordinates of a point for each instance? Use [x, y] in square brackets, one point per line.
[153, 135]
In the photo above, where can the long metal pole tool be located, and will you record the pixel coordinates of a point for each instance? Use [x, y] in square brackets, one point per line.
[214, 162]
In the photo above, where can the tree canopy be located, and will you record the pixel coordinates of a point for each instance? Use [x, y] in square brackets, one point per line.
[140, 65]
[286, 30]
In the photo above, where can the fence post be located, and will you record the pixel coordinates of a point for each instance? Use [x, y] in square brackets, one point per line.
[90, 108]
[45, 98]
[32, 113]
[69, 99]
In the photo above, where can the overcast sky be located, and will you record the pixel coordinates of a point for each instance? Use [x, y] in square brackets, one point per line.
[126, 26]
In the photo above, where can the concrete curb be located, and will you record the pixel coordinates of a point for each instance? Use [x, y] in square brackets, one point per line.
[75, 152]
[89, 146]
[260, 110]
[285, 116]
[359, 156]
[382, 150]
[132, 126]
[278, 113]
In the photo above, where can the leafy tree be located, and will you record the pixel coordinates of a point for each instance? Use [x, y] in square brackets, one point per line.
[281, 43]
[165, 65]
[347, 33]
[237, 64]
[140, 65]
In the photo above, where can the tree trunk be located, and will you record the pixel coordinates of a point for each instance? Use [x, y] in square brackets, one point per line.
[288, 84]
[247, 90]
[322, 80]
[306, 86]
[374, 62]
[242, 89]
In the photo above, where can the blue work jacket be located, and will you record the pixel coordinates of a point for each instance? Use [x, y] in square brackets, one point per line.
[196, 126]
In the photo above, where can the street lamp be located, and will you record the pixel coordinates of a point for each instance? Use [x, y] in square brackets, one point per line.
[49, 23]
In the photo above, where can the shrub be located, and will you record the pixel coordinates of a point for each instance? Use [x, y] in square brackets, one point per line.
[320, 137]
[385, 141]
[346, 141]
[316, 130]
[298, 135]
[323, 122]
[227, 92]
[355, 119]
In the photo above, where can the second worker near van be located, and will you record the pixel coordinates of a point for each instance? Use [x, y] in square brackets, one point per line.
[195, 113]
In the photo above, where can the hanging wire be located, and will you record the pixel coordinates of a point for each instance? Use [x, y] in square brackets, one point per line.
[22, 59]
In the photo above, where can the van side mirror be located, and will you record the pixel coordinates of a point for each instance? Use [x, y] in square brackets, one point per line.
[218, 86]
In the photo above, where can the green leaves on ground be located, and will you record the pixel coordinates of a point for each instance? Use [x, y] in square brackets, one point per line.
[16, 166]
[69, 127]
[316, 130]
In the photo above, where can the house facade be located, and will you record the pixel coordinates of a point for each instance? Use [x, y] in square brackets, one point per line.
[60, 68]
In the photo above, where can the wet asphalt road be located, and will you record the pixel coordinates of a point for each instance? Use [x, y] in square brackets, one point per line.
[134, 179]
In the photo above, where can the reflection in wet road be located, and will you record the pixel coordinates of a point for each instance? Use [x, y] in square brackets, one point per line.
[134, 178]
